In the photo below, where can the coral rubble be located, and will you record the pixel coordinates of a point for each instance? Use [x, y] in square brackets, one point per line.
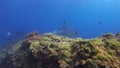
[52, 51]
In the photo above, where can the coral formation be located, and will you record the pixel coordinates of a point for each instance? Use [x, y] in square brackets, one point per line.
[52, 51]
[33, 36]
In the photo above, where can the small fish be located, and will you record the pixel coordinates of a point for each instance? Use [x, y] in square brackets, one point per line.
[8, 34]
[65, 31]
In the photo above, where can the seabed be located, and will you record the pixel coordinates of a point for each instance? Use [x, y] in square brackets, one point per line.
[52, 51]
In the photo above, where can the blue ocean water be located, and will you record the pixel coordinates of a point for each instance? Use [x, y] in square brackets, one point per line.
[90, 18]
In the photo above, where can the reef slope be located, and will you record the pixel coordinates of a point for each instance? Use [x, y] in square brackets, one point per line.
[52, 51]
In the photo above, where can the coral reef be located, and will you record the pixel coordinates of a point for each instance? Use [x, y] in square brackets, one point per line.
[33, 36]
[53, 51]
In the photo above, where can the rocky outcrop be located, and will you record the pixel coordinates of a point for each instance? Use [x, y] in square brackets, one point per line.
[52, 51]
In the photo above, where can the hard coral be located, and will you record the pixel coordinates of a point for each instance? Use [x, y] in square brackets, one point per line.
[117, 35]
[108, 36]
[52, 51]
[33, 36]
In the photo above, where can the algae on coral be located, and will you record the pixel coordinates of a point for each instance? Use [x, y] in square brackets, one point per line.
[53, 51]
